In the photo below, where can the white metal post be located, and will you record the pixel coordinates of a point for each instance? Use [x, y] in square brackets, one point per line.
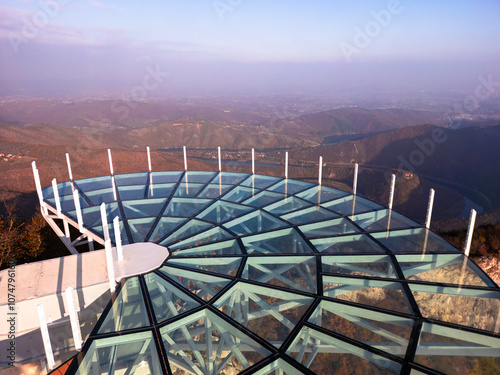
[118, 238]
[470, 231]
[45, 337]
[110, 162]
[429, 209]
[38, 186]
[104, 220]
[391, 193]
[220, 167]
[355, 182]
[149, 159]
[320, 169]
[110, 265]
[286, 164]
[69, 167]
[73, 316]
[185, 158]
[56, 197]
[253, 161]
[79, 216]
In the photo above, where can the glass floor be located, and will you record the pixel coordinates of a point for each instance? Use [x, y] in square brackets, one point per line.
[274, 276]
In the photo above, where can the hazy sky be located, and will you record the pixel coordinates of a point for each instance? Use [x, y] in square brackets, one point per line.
[198, 47]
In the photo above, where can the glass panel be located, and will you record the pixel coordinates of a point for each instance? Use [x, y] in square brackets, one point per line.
[328, 228]
[187, 230]
[383, 220]
[288, 272]
[64, 188]
[92, 215]
[290, 186]
[165, 226]
[68, 204]
[308, 215]
[254, 222]
[203, 343]
[229, 178]
[263, 199]
[444, 348]
[188, 190]
[160, 190]
[442, 268]
[199, 177]
[101, 196]
[214, 191]
[357, 244]
[185, 207]
[202, 285]
[123, 232]
[223, 266]
[140, 228]
[383, 331]
[230, 247]
[132, 192]
[321, 194]
[418, 240]
[324, 354]
[365, 265]
[239, 194]
[211, 235]
[131, 179]
[220, 212]
[287, 205]
[260, 182]
[348, 206]
[89, 184]
[128, 354]
[269, 313]
[128, 310]
[165, 177]
[278, 367]
[276, 242]
[143, 207]
[477, 308]
[168, 301]
[383, 294]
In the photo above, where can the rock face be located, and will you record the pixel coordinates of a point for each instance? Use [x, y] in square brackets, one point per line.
[491, 266]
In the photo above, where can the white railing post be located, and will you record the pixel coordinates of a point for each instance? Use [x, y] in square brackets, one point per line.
[110, 162]
[69, 167]
[110, 265]
[355, 182]
[73, 316]
[320, 169]
[253, 161]
[470, 231]
[185, 158]
[286, 165]
[104, 221]
[45, 337]
[391, 193]
[118, 238]
[79, 216]
[56, 197]
[220, 166]
[430, 205]
[149, 159]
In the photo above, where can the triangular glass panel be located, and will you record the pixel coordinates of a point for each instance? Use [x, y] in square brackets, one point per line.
[92, 215]
[130, 353]
[309, 215]
[208, 236]
[164, 227]
[96, 197]
[199, 177]
[359, 265]
[418, 240]
[324, 354]
[476, 308]
[254, 222]
[214, 191]
[111, 228]
[187, 230]
[185, 207]
[278, 367]
[221, 212]
[68, 204]
[131, 179]
[222, 266]
[188, 190]
[128, 310]
[285, 241]
[355, 244]
[160, 190]
[290, 186]
[260, 181]
[140, 227]
[230, 247]
[442, 268]
[165, 177]
[441, 348]
[321, 194]
[143, 207]
[131, 192]
[88, 184]
[231, 178]
[167, 300]
[269, 313]
[385, 332]
[203, 285]
[204, 343]
[286, 205]
[298, 272]
[383, 220]
[239, 194]
[263, 198]
[328, 228]
[382, 294]
[350, 206]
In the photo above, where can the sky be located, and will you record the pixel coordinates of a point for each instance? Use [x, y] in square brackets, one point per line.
[161, 48]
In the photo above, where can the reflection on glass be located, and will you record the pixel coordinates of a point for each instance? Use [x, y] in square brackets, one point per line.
[255, 222]
[276, 242]
[328, 228]
[365, 265]
[355, 244]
